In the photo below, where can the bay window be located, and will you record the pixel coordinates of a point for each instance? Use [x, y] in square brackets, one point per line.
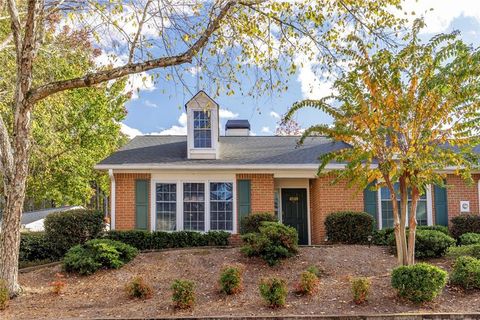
[166, 206]
[386, 207]
[221, 206]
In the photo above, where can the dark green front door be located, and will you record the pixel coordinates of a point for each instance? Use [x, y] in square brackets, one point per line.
[294, 212]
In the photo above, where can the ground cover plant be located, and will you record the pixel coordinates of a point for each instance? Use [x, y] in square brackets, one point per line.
[98, 254]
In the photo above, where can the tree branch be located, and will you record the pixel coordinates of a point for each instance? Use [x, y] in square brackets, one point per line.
[139, 32]
[88, 80]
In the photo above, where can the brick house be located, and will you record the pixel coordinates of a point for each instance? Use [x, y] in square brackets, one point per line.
[204, 181]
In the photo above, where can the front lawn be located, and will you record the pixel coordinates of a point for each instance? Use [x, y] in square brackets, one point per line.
[102, 294]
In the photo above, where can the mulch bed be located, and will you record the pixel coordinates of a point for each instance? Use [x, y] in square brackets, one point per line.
[102, 294]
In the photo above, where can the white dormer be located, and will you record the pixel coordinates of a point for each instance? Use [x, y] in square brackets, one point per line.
[202, 127]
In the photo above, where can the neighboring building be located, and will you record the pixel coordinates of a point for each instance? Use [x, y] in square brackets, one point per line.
[204, 181]
[33, 220]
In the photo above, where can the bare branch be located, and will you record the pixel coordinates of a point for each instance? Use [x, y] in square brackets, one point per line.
[4, 44]
[139, 31]
[43, 91]
[16, 28]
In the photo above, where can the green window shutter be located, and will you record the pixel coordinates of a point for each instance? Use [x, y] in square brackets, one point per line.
[141, 204]
[441, 208]
[370, 199]
[244, 198]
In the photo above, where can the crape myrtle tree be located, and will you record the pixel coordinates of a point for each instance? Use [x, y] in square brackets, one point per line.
[227, 40]
[407, 115]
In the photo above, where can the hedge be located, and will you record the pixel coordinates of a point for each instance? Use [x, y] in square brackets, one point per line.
[465, 223]
[349, 227]
[69, 228]
[428, 243]
[383, 237]
[146, 240]
[34, 246]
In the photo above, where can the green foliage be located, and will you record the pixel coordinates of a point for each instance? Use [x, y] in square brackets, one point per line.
[274, 291]
[231, 279]
[308, 283]
[146, 240]
[138, 288]
[252, 222]
[466, 273]
[274, 242]
[98, 254]
[472, 250]
[469, 238]
[465, 223]
[65, 229]
[429, 243]
[34, 246]
[383, 237]
[420, 282]
[349, 227]
[314, 270]
[360, 289]
[183, 293]
[442, 229]
[4, 295]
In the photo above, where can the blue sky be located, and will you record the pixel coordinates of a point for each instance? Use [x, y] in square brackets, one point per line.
[157, 108]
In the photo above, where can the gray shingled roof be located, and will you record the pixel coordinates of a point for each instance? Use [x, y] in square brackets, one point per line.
[32, 216]
[268, 150]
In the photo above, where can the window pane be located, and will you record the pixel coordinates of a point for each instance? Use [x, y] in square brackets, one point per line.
[194, 206]
[202, 131]
[166, 207]
[422, 213]
[221, 206]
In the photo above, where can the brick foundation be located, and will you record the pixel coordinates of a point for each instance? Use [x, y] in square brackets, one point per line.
[326, 198]
[125, 199]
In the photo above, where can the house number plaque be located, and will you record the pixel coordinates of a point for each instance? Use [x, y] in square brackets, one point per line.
[293, 199]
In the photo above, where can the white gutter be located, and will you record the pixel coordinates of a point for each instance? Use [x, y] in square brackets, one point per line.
[214, 166]
[112, 199]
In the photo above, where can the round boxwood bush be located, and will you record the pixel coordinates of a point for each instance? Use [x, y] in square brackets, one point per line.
[252, 222]
[274, 242]
[466, 273]
[34, 246]
[442, 229]
[98, 254]
[469, 238]
[428, 243]
[420, 282]
[66, 229]
[349, 227]
[472, 250]
[464, 223]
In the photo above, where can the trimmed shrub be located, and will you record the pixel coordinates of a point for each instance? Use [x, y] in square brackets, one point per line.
[252, 222]
[34, 246]
[383, 237]
[431, 243]
[465, 223]
[428, 243]
[66, 229]
[349, 227]
[4, 295]
[442, 229]
[274, 291]
[469, 238]
[360, 289]
[98, 254]
[472, 250]
[146, 240]
[183, 293]
[137, 288]
[466, 273]
[231, 279]
[420, 282]
[308, 283]
[275, 241]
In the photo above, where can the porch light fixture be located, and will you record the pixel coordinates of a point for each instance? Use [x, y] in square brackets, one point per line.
[370, 238]
[326, 238]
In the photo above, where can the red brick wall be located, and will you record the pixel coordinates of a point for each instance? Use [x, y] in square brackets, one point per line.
[125, 199]
[458, 191]
[326, 198]
[262, 191]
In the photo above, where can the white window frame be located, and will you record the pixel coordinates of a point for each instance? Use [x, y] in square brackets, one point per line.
[179, 206]
[429, 207]
[208, 113]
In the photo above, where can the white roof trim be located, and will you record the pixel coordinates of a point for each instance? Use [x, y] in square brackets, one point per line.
[215, 166]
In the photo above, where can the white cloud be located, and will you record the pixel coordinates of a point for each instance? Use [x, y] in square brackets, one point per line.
[443, 13]
[173, 131]
[275, 115]
[151, 104]
[266, 130]
[227, 114]
[129, 131]
[183, 119]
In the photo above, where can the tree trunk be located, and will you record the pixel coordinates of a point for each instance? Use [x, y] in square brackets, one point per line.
[403, 217]
[412, 224]
[396, 222]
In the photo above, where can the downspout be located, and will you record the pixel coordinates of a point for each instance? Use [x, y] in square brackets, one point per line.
[112, 199]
